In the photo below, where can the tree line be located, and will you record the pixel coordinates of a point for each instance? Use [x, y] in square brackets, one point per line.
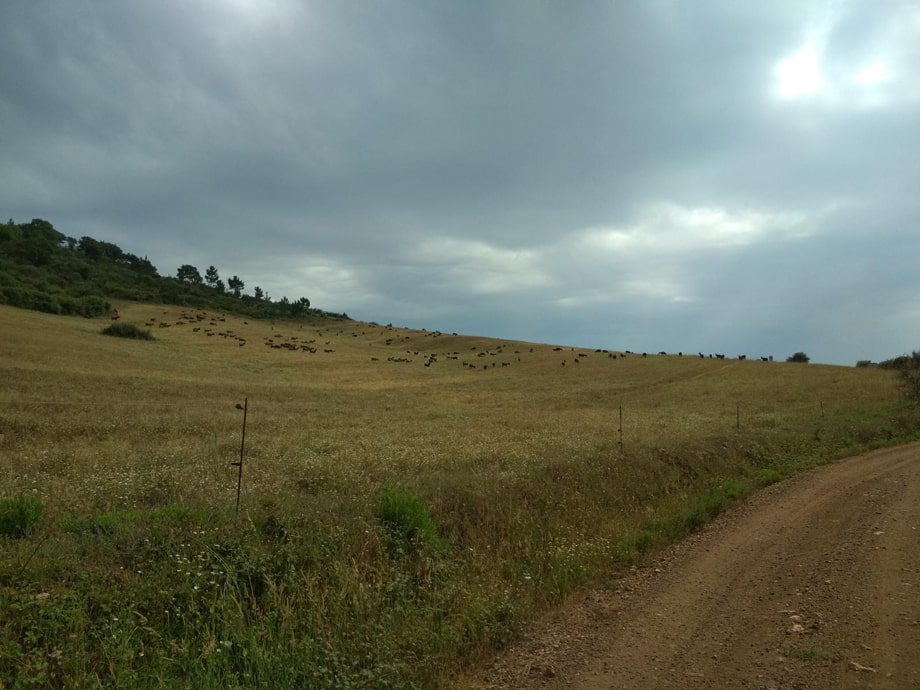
[43, 269]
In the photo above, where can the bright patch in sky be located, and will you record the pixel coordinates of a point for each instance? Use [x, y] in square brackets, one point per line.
[479, 267]
[876, 73]
[799, 74]
[667, 228]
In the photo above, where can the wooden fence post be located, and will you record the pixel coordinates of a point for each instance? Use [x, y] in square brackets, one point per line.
[239, 476]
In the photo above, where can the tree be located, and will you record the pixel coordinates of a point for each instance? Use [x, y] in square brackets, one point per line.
[300, 307]
[258, 294]
[799, 357]
[34, 250]
[140, 265]
[189, 274]
[33, 243]
[10, 232]
[211, 277]
[43, 229]
[92, 249]
[236, 285]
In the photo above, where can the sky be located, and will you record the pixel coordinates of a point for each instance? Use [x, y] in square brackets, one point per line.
[720, 176]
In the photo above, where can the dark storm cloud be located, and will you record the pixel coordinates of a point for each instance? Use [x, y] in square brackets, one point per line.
[578, 172]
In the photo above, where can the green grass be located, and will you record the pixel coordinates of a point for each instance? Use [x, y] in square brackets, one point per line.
[406, 523]
[19, 515]
[398, 522]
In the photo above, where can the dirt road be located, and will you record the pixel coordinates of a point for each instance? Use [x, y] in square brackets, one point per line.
[812, 583]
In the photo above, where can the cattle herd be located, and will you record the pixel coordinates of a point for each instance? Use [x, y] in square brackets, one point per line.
[310, 340]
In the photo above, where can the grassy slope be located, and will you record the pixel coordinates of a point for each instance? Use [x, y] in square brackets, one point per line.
[151, 579]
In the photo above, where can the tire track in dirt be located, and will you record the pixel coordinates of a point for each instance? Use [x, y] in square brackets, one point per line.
[811, 583]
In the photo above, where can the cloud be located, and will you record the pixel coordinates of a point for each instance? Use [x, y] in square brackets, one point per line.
[676, 175]
[478, 268]
[668, 228]
[800, 74]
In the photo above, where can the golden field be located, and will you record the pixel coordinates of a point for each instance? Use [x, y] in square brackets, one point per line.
[512, 448]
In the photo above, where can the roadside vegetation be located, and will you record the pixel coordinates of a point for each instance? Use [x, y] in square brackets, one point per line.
[398, 520]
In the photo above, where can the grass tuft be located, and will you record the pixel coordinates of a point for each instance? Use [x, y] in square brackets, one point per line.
[405, 521]
[19, 515]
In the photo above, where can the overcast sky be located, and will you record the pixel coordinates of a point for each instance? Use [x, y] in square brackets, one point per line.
[717, 176]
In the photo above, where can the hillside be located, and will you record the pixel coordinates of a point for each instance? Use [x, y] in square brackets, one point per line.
[409, 499]
[45, 270]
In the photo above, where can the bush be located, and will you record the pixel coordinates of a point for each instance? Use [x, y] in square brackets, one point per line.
[909, 377]
[26, 298]
[18, 515]
[405, 522]
[896, 363]
[799, 357]
[89, 305]
[127, 330]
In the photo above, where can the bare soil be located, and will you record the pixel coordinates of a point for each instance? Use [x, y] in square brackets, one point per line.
[811, 583]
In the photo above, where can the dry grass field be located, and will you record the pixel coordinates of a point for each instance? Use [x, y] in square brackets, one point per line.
[503, 458]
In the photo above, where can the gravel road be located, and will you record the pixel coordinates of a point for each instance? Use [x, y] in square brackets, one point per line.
[810, 583]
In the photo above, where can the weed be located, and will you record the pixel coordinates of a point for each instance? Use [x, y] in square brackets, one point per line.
[767, 476]
[627, 550]
[406, 523]
[19, 515]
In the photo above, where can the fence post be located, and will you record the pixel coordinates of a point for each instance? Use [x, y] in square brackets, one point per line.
[621, 429]
[239, 476]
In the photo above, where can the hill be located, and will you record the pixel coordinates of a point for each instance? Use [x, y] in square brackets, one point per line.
[408, 498]
[45, 270]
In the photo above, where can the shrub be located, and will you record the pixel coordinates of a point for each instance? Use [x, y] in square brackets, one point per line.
[896, 363]
[405, 522]
[36, 300]
[18, 515]
[89, 305]
[799, 357]
[127, 330]
[909, 377]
